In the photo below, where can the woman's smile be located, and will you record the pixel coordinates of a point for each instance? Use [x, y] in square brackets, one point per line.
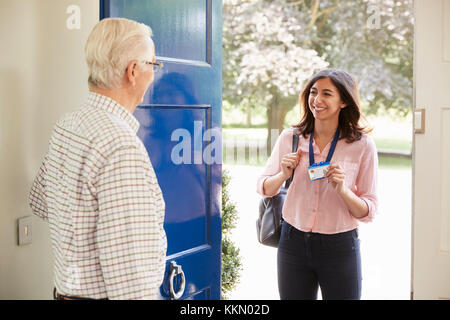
[319, 109]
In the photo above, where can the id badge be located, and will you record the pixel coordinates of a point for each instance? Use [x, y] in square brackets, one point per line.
[318, 170]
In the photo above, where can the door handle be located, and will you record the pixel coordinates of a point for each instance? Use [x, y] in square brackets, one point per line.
[419, 121]
[174, 271]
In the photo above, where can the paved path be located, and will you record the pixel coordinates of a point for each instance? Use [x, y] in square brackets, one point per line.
[385, 243]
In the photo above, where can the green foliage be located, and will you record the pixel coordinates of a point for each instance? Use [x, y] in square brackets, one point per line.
[231, 265]
[229, 212]
[231, 260]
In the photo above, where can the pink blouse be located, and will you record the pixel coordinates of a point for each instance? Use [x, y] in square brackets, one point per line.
[316, 206]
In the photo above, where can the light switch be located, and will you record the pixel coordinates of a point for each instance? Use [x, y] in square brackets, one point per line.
[25, 230]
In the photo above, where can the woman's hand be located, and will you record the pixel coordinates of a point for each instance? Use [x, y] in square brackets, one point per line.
[288, 163]
[336, 176]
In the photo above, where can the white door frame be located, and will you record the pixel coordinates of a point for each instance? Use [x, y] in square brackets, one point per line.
[430, 234]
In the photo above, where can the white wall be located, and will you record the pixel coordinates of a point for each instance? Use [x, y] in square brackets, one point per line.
[42, 76]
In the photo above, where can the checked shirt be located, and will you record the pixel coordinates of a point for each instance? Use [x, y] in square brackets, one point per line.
[99, 193]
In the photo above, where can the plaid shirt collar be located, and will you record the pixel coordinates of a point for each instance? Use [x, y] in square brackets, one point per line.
[105, 103]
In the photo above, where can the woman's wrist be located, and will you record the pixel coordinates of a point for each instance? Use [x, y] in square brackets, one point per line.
[357, 207]
[273, 183]
[283, 176]
[344, 192]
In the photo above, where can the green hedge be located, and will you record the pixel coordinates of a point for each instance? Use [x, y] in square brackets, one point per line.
[231, 259]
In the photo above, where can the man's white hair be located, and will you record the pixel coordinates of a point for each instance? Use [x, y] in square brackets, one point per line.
[112, 44]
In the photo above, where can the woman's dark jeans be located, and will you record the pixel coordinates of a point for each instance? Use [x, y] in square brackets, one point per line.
[307, 260]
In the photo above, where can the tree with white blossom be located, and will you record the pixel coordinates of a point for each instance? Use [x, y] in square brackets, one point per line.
[265, 60]
[373, 40]
[272, 47]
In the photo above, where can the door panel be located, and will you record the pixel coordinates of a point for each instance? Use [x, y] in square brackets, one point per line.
[158, 125]
[431, 156]
[180, 121]
[179, 23]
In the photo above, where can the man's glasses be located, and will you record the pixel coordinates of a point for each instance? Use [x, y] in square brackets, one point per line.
[157, 66]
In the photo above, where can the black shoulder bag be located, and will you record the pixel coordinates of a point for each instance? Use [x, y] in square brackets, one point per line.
[268, 225]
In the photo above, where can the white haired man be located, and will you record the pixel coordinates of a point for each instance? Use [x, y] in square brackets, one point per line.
[96, 186]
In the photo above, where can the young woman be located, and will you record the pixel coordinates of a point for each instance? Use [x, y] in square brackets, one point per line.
[319, 243]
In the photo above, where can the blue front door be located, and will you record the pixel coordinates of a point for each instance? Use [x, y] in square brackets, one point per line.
[180, 122]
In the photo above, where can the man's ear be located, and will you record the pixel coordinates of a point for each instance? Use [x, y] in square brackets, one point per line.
[131, 73]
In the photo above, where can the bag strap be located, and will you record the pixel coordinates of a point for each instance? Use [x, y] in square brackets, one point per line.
[294, 149]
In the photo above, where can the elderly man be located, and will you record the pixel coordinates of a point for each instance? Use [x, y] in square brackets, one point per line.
[96, 186]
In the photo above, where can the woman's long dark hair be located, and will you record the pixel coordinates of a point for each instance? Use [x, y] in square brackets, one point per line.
[349, 117]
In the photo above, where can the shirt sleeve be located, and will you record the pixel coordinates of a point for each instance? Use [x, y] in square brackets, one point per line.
[36, 198]
[366, 182]
[130, 237]
[282, 146]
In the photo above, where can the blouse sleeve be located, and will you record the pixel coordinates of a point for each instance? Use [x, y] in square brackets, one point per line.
[283, 146]
[366, 182]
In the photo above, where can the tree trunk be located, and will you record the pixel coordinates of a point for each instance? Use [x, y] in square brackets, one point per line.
[249, 115]
[276, 113]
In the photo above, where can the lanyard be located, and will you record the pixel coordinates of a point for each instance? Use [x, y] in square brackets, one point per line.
[330, 153]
